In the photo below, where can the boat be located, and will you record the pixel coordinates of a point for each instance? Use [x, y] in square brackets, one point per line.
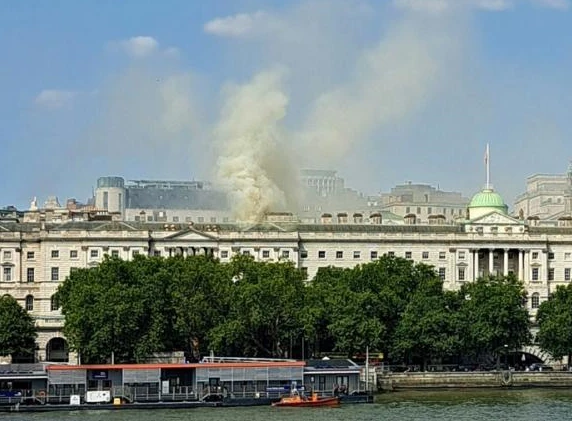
[297, 400]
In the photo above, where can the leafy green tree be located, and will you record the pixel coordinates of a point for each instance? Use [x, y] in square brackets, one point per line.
[493, 315]
[112, 310]
[265, 309]
[362, 306]
[201, 299]
[554, 318]
[429, 326]
[17, 329]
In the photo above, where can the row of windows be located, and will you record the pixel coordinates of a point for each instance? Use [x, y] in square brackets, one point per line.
[374, 254]
[73, 254]
[430, 211]
[31, 274]
[200, 219]
[30, 303]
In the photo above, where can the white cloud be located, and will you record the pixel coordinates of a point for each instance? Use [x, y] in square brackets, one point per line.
[54, 98]
[240, 24]
[553, 4]
[439, 6]
[140, 46]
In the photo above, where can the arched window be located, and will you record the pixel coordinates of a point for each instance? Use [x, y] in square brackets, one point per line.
[535, 300]
[29, 302]
[54, 305]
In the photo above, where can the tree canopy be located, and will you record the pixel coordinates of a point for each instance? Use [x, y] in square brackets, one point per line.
[266, 309]
[554, 319]
[17, 329]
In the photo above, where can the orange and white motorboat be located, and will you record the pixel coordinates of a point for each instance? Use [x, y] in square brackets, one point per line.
[297, 400]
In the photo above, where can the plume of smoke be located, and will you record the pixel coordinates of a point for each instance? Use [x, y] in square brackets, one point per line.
[252, 161]
[390, 82]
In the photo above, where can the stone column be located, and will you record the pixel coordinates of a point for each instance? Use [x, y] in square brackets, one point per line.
[491, 262]
[475, 264]
[520, 265]
[526, 268]
[505, 263]
[545, 269]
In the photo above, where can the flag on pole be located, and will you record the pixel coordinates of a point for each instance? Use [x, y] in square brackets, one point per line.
[487, 154]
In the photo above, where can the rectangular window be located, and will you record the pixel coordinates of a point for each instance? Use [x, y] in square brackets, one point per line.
[461, 274]
[55, 274]
[105, 200]
[339, 254]
[94, 253]
[213, 219]
[157, 253]
[175, 219]
[407, 210]
[55, 254]
[150, 218]
[30, 255]
[30, 274]
[567, 256]
[201, 219]
[551, 256]
[114, 253]
[321, 254]
[408, 255]
[373, 255]
[224, 254]
[461, 255]
[535, 255]
[7, 255]
[442, 255]
[418, 211]
[135, 253]
[73, 254]
[357, 254]
[391, 254]
[303, 254]
[285, 254]
[442, 273]
[73, 269]
[246, 252]
[551, 274]
[429, 210]
[567, 274]
[535, 274]
[188, 219]
[265, 254]
[425, 255]
[7, 273]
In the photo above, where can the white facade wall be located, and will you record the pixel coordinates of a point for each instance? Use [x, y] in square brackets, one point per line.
[534, 254]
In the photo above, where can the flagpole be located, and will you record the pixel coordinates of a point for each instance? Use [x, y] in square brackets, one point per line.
[487, 163]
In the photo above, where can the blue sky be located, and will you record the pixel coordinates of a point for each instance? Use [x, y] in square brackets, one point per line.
[383, 91]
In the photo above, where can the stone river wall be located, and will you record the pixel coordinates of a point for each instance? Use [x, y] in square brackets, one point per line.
[472, 379]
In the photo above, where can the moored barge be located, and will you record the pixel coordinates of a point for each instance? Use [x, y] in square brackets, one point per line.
[214, 382]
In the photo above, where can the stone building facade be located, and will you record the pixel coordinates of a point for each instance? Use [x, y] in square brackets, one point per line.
[35, 257]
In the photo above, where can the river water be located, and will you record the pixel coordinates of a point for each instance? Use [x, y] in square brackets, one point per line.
[521, 405]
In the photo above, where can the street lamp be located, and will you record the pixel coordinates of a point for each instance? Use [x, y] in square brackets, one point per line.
[506, 355]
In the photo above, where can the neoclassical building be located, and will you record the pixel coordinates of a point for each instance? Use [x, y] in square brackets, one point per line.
[37, 256]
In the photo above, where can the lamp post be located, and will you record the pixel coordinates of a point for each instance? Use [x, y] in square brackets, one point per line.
[506, 355]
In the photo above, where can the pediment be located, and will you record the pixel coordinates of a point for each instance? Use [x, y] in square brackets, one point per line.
[191, 235]
[496, 218]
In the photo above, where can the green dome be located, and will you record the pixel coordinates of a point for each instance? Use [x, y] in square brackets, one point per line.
[488, 198]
